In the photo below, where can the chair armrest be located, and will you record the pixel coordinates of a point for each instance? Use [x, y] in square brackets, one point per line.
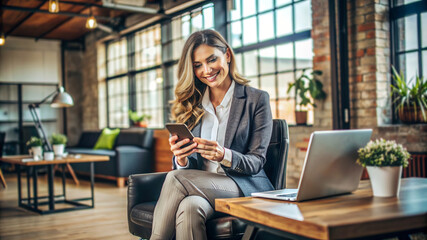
[144, 188]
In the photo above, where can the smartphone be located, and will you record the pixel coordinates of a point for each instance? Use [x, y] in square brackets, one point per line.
[182, 131]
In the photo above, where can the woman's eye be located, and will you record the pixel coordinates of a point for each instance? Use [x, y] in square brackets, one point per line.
[212, 60]
[197, 66]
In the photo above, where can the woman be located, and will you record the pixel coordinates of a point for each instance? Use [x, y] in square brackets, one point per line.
[232, 126]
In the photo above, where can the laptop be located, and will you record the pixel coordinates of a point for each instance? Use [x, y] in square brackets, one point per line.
[330, 166]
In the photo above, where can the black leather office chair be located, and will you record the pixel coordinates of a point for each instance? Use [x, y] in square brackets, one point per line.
[144, 190]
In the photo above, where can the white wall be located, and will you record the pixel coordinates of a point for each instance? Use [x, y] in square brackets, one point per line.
[25, 60]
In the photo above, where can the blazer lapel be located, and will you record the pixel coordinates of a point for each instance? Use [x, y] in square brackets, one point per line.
[236, 110]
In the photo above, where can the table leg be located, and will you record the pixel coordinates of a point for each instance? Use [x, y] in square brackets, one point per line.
[3, 181]
[63, 180]
[18, 173]
[92, 182]
[50, 187]
[35, 200]
[28, 186]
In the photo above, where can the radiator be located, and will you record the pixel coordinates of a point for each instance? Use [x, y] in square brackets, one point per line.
[417, 167]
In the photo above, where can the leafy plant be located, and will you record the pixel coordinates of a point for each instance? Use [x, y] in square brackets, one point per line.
[408, 94]
[382, 153]
[58, 138]
[137, 118]
[35, 142]
[307, 88]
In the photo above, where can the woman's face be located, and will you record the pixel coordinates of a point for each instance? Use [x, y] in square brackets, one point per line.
[211, 65]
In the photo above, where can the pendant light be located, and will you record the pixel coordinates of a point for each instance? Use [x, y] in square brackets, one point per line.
[91, 21]
[2, 37]
[53, 6]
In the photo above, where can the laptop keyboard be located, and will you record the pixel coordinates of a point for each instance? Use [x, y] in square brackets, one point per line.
[290, 195]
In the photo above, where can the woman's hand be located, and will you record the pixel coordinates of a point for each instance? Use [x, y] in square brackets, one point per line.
[210, 150]
[181, 154]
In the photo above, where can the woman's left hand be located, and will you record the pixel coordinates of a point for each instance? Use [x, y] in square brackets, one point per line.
[210, 150]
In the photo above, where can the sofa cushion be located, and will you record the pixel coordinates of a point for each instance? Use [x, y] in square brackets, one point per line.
[110, 153]
[88, 139]
[107, 139]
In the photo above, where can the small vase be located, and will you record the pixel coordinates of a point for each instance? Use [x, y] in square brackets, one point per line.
[58, 149]
[37, 152]
[385, 181]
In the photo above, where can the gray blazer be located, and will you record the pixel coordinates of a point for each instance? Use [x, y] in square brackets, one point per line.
[247, 136]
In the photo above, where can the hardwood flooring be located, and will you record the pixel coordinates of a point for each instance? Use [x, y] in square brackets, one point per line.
[107, 220]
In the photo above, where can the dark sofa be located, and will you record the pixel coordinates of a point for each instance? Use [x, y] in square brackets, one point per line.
[132, 154]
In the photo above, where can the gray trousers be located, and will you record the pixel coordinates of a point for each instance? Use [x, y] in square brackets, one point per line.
[187, 200]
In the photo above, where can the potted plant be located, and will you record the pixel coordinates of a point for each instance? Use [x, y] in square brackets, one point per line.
[139, 120]
[306, 89]
[35, 144]
[58, 142]
[384, 161]
[410, 98]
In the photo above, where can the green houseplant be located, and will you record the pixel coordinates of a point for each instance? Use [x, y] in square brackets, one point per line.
[139, 119]
[58, 142]
[306, 89]
[384, 161]
[35, 144]
[410, 98]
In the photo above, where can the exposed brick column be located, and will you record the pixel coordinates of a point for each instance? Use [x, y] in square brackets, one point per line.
[323, 113]
[322, 61]
[369, 63]
[90, 87]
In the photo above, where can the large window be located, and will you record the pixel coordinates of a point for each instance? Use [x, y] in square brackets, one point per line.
[117, 86]
[409, 18]
[149, 81]
[272, 42]
[409, 38]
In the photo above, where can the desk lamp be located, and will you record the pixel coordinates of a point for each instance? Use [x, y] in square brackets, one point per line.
[61, 99]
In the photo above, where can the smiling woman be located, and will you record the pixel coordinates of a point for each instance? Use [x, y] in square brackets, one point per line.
[214, 54]
[231, 123]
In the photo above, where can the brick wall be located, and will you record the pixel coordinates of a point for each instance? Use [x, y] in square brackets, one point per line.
[369, 61]
[81, 82]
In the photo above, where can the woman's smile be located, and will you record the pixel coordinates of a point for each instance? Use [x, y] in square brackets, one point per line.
[212, 78]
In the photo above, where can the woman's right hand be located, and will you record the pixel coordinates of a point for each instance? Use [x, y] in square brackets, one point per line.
[181, 154]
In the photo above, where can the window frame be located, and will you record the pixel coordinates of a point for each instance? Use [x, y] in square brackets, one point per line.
[291, 38]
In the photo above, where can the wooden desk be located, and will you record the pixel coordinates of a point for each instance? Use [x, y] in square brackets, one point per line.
[356, 215]
[33, 201]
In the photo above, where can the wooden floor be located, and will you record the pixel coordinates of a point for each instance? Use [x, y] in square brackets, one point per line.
[106, 221]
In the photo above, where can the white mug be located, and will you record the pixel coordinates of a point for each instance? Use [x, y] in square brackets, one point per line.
[48, 156]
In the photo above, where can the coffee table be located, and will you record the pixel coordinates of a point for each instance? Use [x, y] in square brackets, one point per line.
[33, 201]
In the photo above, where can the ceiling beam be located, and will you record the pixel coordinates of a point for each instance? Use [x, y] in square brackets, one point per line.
[70, 14]
[24, 19]
[59, 24]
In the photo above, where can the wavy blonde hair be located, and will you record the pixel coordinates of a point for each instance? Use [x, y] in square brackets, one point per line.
[186, 108]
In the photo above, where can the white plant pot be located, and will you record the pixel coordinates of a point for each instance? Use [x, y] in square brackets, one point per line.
[37, 152]
[58, 149]
[385, 181]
